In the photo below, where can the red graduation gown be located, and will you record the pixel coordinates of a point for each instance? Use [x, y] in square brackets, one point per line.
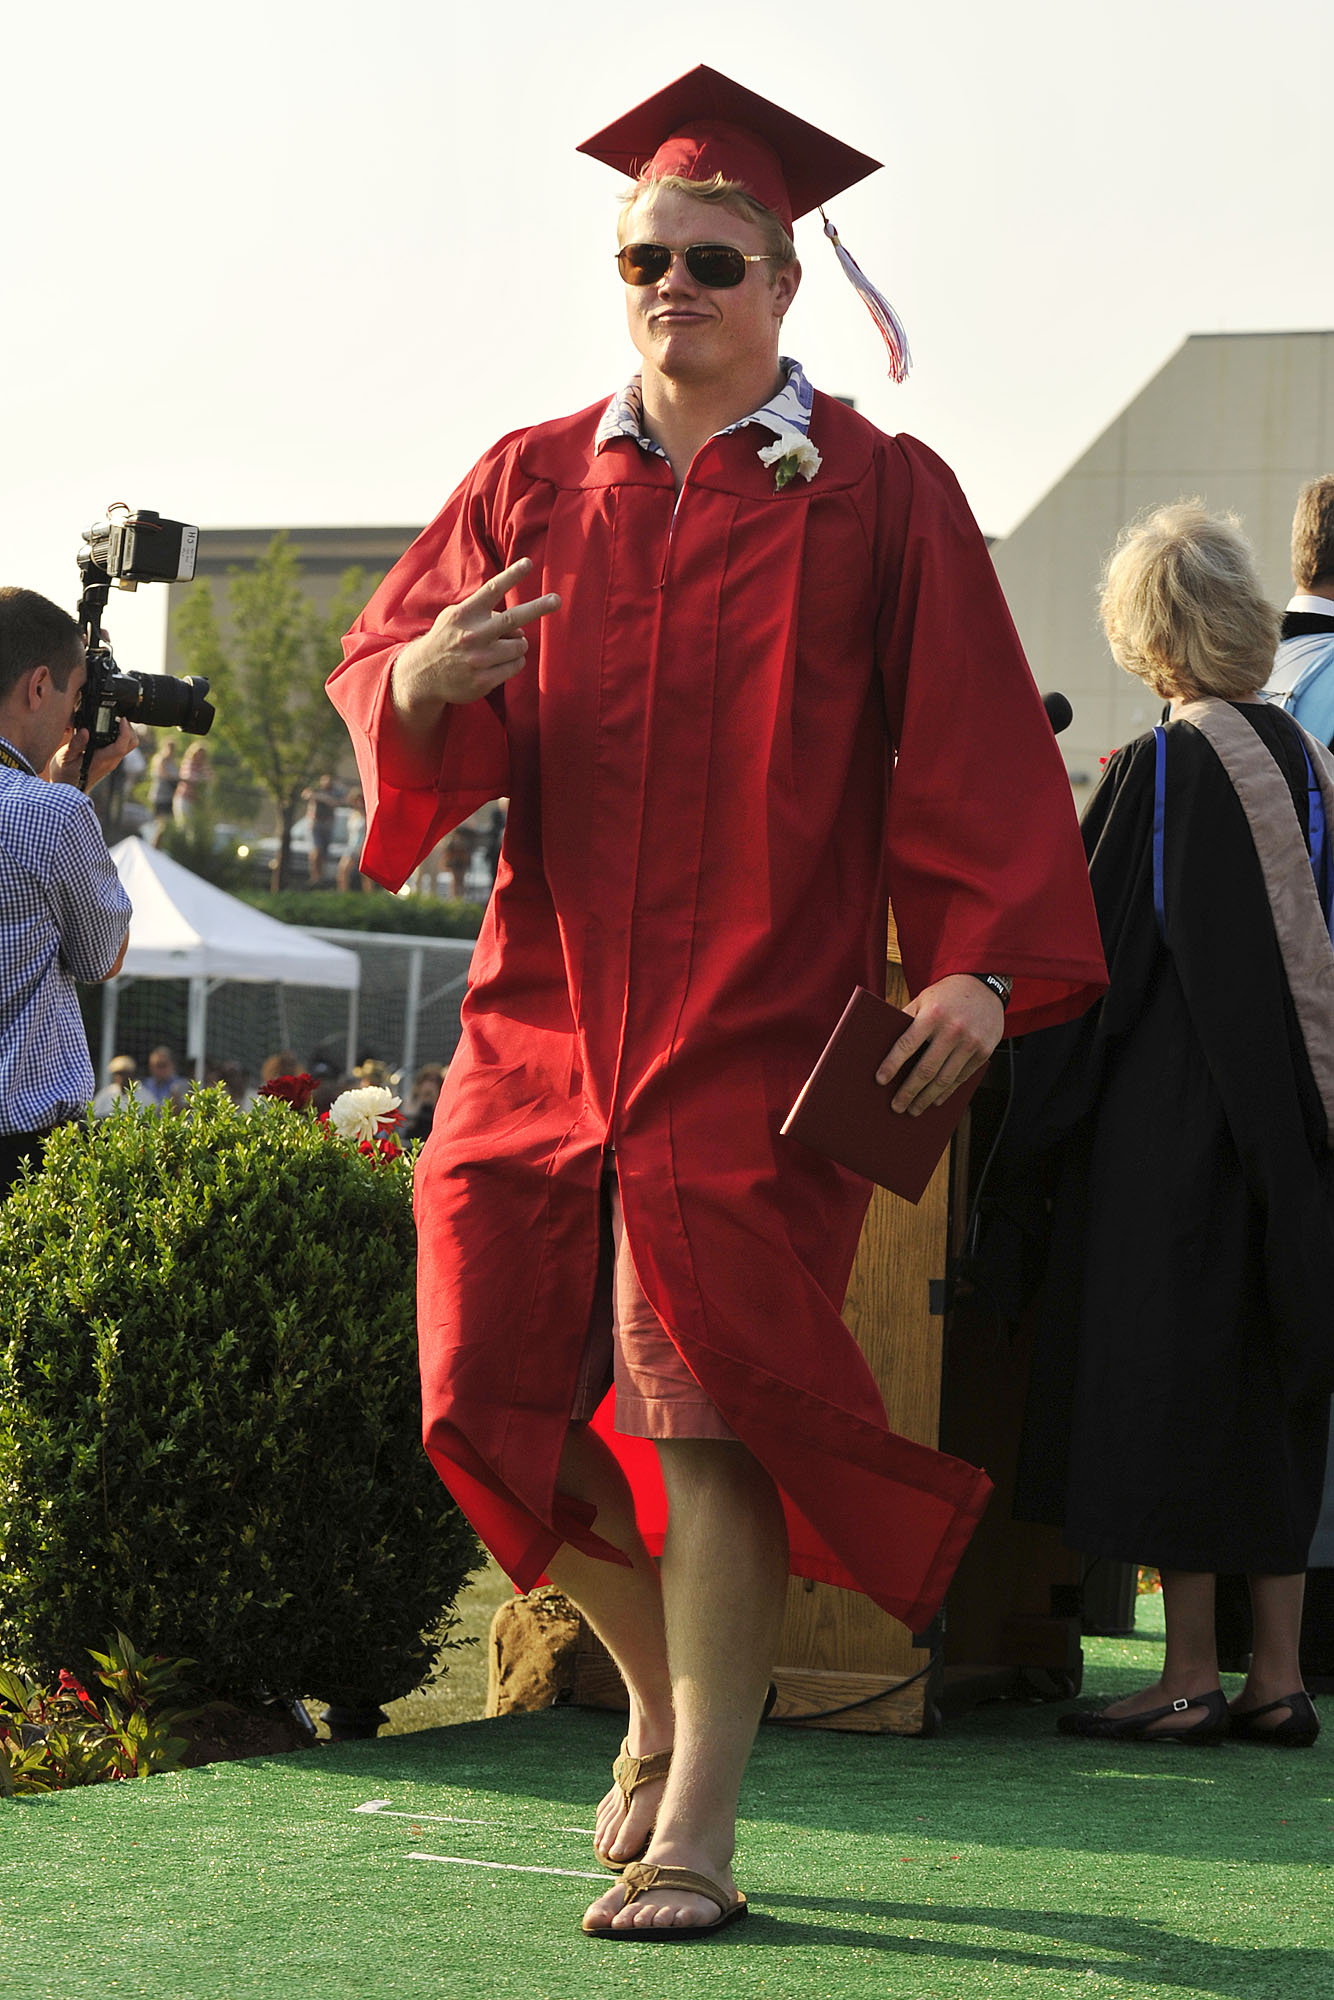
[706, 819]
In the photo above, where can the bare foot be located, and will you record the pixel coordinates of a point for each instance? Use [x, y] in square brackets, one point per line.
[663, 1909]
[621, 1833]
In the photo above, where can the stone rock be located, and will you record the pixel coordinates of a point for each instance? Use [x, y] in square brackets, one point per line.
[532, 1649]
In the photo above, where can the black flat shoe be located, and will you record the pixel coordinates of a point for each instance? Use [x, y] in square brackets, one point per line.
[1297, 1731]
[1212, 1726]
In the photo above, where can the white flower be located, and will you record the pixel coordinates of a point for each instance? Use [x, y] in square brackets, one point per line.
[358, 1114]
[790, 454]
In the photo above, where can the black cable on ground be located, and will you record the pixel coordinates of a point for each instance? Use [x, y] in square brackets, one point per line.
[862, 1701]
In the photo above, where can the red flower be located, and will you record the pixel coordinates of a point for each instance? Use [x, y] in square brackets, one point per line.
[294, 1090]
[69, 1684]
[379, 1149]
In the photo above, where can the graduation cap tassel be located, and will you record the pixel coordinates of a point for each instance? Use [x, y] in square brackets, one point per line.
[881, 311]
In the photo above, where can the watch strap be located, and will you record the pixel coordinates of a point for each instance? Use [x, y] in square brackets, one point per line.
[999, 982]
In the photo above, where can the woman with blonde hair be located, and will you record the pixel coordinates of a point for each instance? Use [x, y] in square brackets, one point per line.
[1179, 1140]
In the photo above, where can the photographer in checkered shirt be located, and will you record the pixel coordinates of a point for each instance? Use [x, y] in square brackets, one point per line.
[64, 916]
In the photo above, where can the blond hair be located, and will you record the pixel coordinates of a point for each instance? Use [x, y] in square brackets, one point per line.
[1313, 534]
[727, 194]
[1183, 607]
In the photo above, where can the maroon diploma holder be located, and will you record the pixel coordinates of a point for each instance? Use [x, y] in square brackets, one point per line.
[843, 1112]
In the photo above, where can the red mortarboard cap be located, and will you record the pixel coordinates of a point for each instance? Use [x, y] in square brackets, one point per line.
[704, 124]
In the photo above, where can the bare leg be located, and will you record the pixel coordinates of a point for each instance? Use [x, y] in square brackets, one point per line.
[724, 1577]
[1190, 1659]
[624, 1608]
[1276, 1616]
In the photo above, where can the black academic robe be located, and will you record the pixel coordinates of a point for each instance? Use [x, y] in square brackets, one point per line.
[1171, 1153]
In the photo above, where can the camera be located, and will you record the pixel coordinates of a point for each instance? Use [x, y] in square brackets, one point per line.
[128, 549]
[142, 548]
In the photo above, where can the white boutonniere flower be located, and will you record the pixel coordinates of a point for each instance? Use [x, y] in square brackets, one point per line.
[359, 1114]
[790, 454]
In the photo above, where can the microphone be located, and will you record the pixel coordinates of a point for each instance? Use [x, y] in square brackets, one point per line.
[1059, 712]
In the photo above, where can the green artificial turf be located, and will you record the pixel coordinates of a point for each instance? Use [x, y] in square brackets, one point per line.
[995, 1859]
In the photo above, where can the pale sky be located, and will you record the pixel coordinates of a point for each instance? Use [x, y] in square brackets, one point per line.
[279, 263]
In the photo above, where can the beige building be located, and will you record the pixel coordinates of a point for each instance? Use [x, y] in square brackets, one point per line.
[323, 553]
[1241, 420]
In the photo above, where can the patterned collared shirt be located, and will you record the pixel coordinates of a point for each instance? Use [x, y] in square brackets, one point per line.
[63, 917]
[788, 410]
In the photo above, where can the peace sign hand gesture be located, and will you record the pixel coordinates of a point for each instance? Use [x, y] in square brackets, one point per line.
[472, 647]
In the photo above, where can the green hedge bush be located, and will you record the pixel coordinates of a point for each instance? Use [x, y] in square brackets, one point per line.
[332, 909]
[209, 1408]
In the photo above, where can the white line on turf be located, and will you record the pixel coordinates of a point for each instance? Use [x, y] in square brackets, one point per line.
[453, 1819]
[382, 1809]
[511, 1867]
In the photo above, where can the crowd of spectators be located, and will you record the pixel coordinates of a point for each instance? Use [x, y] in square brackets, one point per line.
[169, 783]
[164, 1088]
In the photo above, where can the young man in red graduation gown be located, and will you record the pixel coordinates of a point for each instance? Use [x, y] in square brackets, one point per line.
[742, 667]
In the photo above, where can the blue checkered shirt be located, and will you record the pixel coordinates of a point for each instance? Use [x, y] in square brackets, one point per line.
[63, 917]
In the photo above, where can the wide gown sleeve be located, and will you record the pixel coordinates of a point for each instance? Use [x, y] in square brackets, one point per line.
[1058, 1072]
[1223, 954]
[451, 559]
[1221, 937]
[986, 870]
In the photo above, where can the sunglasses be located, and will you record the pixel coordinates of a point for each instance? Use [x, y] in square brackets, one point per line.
[716, 266]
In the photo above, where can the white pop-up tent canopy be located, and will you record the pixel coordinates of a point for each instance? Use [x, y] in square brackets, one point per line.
[185, 928]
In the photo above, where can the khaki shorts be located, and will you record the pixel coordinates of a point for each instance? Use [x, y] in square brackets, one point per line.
[627, 1344]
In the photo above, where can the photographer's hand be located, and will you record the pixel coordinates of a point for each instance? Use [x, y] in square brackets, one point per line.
[67, 763]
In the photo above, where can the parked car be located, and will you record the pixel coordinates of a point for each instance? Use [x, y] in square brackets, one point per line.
[265, 851]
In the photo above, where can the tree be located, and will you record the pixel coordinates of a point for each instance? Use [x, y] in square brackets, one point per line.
[267, 674]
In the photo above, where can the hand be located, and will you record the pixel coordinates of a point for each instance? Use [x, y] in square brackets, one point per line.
[956, 1023]
[65, 766]
[472, 647]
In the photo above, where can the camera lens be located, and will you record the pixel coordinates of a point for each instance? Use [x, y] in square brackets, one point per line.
[163, 702]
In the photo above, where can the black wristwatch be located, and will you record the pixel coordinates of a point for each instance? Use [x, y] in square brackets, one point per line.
[1000, 983]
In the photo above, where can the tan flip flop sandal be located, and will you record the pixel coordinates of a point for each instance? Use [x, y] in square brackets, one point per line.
[640, 1876]
[628, 1774]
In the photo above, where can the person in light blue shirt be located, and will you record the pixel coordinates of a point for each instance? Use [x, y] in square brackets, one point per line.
[64, 916]
[1303, 680]
[162, 1086]
[1303, 676]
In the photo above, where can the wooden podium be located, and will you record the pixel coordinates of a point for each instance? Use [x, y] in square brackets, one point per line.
[949, 1378]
